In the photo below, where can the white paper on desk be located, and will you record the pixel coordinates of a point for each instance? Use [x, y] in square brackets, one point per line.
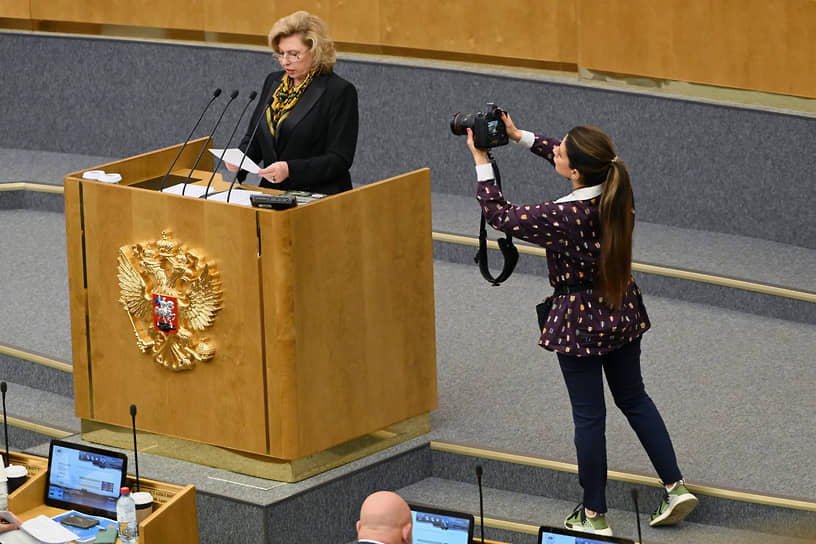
[18, 537]
[193, 191]
[47, 530]
[238, 196]
[234, 155]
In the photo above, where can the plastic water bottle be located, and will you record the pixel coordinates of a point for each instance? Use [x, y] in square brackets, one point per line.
[126, 517]
[3, 486]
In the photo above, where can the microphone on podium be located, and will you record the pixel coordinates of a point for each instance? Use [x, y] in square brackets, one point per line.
[233, 96]
[252, 96]
[215, 95]
[261, 117]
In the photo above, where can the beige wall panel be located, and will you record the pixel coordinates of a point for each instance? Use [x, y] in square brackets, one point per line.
[355, 21]
[526, 29]
[188, 404]
[15, 9]
[254, 17]
[182, 14]
[746, 44]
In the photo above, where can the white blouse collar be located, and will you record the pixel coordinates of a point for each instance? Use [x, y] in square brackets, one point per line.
[583, 193]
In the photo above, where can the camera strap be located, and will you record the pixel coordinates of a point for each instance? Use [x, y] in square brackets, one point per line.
[508, 250]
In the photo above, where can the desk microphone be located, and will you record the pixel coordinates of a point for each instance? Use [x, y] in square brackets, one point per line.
[135, 450]
[3, 389]
[249, 144]
[252, 96]
[637, 513]
[215, 95]
[481, 499]
[233, 96]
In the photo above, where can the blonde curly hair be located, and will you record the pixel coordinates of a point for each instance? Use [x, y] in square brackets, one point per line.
[315, 34]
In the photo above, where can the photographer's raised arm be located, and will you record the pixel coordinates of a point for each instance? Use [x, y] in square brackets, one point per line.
[540, 145]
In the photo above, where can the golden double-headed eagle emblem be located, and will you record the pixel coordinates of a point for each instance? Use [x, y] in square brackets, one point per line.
[171, 297]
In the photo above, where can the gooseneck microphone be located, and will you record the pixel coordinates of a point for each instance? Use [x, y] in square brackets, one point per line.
[3, 389]
[637, 513]
[135, 450]
[233, 96]
[481, 499]
[261, 117]
[215, 95]
[252, 96]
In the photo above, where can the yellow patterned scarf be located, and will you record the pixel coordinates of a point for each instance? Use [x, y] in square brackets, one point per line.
[285, 98]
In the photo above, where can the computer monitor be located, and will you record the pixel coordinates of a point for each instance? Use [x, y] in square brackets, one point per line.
[84, 478]
[557, 535]
[440, 526]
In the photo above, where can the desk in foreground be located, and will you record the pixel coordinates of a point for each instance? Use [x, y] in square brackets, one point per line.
[174, 507]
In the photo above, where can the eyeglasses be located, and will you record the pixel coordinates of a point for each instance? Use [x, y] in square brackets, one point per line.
[291, 56]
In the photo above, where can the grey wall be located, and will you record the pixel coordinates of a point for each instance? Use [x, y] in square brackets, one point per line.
[694, 165]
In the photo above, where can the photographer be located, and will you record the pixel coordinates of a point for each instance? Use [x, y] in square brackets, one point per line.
[595, 318]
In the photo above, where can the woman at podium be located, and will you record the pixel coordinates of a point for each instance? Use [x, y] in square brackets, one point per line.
[307, 116]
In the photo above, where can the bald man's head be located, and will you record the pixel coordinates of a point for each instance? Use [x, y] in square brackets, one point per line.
[386, 517]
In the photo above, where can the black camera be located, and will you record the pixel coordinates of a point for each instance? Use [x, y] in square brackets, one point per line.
[488, 127]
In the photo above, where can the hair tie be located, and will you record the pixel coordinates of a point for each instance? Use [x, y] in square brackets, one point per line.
[614, 159]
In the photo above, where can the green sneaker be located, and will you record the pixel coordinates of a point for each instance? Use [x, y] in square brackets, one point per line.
[676, 505]
[579, 521]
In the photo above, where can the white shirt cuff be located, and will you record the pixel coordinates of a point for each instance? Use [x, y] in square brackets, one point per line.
[484, 172]
[527, 139]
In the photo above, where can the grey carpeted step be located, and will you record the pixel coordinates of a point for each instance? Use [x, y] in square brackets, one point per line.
[36, 371]
[42, 407]
[536, 510]
[721, 255]
[47, 167]
[728, 508]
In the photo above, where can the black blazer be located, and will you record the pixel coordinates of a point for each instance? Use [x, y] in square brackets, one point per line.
[317, 139]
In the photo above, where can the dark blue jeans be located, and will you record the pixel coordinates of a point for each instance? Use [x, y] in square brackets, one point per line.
[586, 393]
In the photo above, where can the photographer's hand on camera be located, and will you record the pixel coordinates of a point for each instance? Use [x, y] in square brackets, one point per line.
[479, 155]
[512, 132]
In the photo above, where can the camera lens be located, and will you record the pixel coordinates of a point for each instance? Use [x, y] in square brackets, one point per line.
[460, 123]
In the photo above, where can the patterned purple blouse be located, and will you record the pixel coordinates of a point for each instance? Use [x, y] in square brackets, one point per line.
[581, 323]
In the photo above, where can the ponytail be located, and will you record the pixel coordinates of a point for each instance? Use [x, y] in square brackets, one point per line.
[590, 152]
[616, 213]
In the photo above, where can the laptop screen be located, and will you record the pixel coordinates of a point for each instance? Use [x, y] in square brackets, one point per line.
[84, 478]
[555, 535]
[441, 526]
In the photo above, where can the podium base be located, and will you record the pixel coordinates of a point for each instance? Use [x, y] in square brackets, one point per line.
[269, 468]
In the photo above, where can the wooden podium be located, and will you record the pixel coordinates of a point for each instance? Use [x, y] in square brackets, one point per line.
[323, 340]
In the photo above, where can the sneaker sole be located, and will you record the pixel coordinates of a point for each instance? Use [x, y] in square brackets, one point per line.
[677, 512]
[580, 529]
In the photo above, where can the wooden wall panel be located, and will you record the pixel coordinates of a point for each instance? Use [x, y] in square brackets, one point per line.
[254, 17]
[523, 29]
[764, 45]
[748, 44]
[175, 14]
[357, 21]
[15, 9]
[352, 22]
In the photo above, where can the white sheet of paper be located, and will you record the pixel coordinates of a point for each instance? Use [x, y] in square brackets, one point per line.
[234, 155]
[47, 530]
[238, 196]
[193, 191]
